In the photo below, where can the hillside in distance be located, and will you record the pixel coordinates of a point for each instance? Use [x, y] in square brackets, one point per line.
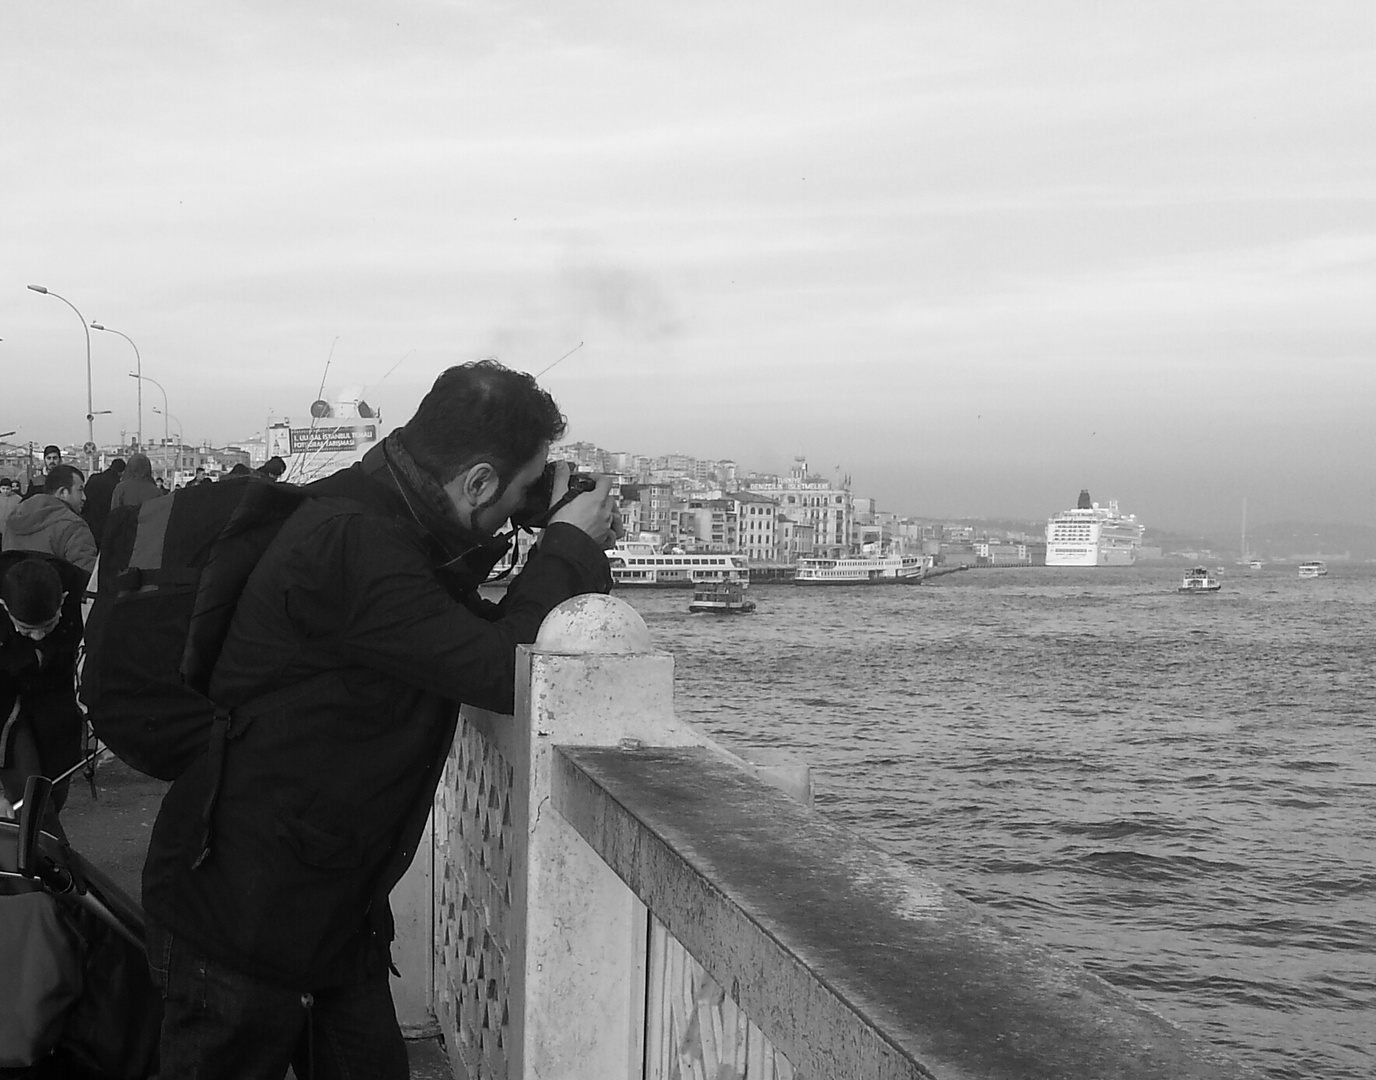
[1294, 540]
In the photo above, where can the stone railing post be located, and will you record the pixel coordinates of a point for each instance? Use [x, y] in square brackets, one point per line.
[592, 678]
[539, 948]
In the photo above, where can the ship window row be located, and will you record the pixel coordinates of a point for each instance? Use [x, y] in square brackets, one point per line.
[677, 562]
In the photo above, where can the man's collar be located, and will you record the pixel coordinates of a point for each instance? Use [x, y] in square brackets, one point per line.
[468, 553]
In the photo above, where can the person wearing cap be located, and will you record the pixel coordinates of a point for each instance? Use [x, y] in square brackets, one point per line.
[9, 499]
[52, 458]
[40, 631]
[272, 469]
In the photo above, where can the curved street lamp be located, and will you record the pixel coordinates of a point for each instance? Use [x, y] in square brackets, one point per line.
[181, 438]
[90, 406]
[138, 360]
[155, 409]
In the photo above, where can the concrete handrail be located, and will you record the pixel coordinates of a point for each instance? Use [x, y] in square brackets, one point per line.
[616, 895]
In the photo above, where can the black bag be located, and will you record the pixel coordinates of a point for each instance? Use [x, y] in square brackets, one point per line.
[78, 1000]
[171, 572]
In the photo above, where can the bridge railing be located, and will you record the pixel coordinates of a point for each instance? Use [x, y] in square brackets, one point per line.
[616, 895]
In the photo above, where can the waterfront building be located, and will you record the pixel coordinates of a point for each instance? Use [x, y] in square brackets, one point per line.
[814, 501]
[709, 525]
[1002, 553]
[758, 517]
[796, 539]
[657, 511]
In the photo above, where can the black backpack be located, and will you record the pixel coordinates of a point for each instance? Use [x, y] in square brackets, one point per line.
[171, 572]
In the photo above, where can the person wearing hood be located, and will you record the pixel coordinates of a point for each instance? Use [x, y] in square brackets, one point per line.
[99, 490]
[52, 521]
[137, 485]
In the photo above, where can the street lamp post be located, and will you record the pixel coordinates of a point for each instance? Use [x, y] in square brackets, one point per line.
[90, 405]
[181, 438]
[155, 382]
[138, 361]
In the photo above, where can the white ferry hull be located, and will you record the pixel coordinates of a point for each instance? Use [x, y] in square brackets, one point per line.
[642, 566]
[907, 571]
[1093, 555]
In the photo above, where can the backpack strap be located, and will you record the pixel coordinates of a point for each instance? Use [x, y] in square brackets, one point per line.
[138, 577]
[219, 735]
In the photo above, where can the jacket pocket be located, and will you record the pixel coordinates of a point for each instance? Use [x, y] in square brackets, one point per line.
[326, 848]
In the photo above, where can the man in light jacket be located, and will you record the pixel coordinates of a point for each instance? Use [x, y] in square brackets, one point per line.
[52, 521]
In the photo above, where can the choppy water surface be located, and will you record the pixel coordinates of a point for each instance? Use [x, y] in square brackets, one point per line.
[1179, 792]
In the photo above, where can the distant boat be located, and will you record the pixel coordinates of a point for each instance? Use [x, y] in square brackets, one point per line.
[1198, 580]
[721, 598]
[861, 570]
[1093, 535]
[1313, 569]
[637, 563]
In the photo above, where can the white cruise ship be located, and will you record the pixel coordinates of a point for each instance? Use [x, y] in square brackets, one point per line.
[1092, 535]
[635, 562]
[861, 570]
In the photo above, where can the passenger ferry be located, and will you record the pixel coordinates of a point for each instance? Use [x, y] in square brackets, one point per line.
[1093, 535]
[720, 598]
[1313, 569]
[861, 570]
[1199, 580]
[637, 563]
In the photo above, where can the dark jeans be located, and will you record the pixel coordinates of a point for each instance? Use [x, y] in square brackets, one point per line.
[219, 1023]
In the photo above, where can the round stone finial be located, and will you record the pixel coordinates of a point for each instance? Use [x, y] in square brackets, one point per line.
[593, 623]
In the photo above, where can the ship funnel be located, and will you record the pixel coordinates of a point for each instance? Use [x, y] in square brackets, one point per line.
[1084, 502]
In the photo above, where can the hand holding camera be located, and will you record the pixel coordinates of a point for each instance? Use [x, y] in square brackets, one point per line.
[564, 494]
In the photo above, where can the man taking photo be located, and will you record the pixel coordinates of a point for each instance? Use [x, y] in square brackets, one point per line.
[359, 634]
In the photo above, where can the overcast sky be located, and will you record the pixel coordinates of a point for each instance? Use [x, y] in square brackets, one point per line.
[977, 256]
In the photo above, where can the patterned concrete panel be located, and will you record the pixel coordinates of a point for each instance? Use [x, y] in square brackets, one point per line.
[696, 1032]
[473, 905]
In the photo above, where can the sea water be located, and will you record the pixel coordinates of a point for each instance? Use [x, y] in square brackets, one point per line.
[1176, 791]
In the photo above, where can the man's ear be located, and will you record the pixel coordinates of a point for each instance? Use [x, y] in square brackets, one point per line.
[475, 486]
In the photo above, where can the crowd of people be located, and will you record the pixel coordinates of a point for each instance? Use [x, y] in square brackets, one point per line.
[49, 539]
[357, 637]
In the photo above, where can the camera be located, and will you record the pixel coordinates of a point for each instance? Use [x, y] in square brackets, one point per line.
[534, 512]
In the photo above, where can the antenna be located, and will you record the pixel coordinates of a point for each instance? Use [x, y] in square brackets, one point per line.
[328, 360]
[300, 466]
[389, 371]
[562, 358]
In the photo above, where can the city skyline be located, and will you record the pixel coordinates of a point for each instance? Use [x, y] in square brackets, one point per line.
[978, 259]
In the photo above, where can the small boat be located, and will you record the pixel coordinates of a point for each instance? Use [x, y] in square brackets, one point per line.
[1313, 569]
[1198, 580]
[721, 598]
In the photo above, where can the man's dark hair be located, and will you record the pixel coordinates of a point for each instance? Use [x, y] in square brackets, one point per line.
[61, 476]
[32, 590]
[117, 466]
[481, 411]
[274, 466]
[52, 448]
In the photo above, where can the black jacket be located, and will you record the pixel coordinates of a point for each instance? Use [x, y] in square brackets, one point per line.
[42, 673]
[99, 490]
[364, 636]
